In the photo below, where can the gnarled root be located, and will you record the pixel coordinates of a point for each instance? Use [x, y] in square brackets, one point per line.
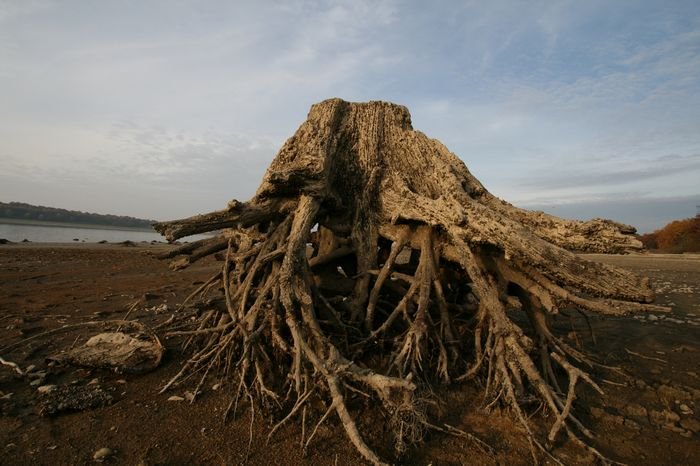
[372, 263]
[284, 334]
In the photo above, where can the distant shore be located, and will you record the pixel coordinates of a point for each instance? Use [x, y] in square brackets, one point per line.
[88, 226]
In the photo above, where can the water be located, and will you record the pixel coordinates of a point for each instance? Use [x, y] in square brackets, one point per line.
[52, 233]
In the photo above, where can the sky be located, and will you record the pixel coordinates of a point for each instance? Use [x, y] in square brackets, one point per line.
[166, 109]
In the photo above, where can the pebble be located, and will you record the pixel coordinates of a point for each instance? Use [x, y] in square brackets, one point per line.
[685, 409]
[652, 317]
[46, 388]
[176, 398]
[691, 424]
[102, 454]
[636, 410]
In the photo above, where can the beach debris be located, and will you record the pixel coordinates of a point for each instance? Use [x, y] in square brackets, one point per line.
[66, 398]
[117, 351]
[102, 454]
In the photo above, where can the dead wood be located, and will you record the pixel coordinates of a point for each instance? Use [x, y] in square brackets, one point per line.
[372, 263]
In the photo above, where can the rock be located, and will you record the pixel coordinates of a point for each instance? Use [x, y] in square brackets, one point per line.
[189, 396]
[46, 388]
[670, 393]
[663, 418]
[632, 425]
[37, 375]
[118, 351]
[691, 424]
[685, 409]
[674, 428]
[216, 386]
[176, 398]
[102, 454]
[30, 368]
[636, 410]
[65, 398]
[652, 317]
[36, 382]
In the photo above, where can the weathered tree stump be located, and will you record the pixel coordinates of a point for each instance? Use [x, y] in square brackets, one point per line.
[371, 260]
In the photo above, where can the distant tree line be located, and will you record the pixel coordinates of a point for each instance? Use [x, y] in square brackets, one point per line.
[676, 237]
[22, 211]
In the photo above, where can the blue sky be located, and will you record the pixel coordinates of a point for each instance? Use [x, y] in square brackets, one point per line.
[164, 109]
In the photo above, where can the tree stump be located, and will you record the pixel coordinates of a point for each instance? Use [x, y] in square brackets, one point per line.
[370, 260]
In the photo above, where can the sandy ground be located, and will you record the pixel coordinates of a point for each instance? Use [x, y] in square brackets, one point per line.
[650, 414]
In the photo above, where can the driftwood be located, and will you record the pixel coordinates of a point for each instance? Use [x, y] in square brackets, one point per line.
[116, 351]
[371, 261]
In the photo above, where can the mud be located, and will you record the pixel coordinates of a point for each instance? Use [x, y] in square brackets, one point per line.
[650, 414]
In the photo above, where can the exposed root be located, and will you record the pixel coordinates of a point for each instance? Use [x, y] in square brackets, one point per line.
[351, 275]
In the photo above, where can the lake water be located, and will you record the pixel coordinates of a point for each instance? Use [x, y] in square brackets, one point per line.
[66, 234]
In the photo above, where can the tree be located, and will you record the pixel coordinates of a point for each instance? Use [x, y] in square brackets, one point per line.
[371, 260]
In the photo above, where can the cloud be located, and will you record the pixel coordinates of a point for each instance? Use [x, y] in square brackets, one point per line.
[646, 213]
[186, 102]
[598, 174]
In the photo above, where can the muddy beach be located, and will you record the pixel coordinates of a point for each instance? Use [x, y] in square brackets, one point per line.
[650, 413]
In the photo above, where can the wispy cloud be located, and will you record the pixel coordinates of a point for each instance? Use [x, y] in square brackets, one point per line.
[185, 103]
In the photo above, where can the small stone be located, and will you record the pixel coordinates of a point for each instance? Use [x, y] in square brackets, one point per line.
[52, 447]
[691, 424]
[189, 396]
[636, 410]
[674, 428]
[122, 381]
[176, 398]
[665, 417]
[102, 454]
[36, 382]
[30, 368]
[685, 409]
[216, 386]
[632, 425]
[46, 388]
[670, 393]
[652, 317]
[37, 375]
[94, 381]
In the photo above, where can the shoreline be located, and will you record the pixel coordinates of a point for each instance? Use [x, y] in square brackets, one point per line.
[87, 226]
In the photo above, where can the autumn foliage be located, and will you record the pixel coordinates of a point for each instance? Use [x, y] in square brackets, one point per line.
[676, 237]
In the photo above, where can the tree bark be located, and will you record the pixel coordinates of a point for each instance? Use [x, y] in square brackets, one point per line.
[361, 255]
